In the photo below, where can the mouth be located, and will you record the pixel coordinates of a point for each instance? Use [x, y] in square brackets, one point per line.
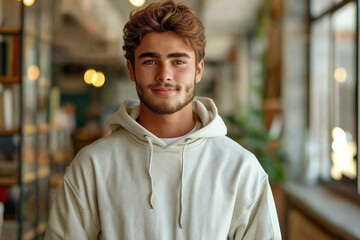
[164, 91]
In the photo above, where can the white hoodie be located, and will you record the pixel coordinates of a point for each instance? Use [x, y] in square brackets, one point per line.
[130, 185]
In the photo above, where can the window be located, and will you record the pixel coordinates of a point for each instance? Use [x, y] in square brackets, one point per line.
[333, 92]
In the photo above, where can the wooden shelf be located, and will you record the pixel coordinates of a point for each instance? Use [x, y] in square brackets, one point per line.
[9, 80]
[9, 132]
[32, 129]
[41, 173]
[27, 178]
[45, 38]
[10, 30]
[8, 181]
[11, 228]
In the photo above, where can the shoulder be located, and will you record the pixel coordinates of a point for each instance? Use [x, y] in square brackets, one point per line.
[99, 154]
[228, 147]
[104, 146]
[235, 156]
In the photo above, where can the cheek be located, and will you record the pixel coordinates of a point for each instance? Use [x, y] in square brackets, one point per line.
[185, 74]
[143, 74]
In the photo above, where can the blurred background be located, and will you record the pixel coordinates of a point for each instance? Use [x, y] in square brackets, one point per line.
[283, 73]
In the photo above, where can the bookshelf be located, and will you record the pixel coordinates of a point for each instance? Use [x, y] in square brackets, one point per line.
[25, 84]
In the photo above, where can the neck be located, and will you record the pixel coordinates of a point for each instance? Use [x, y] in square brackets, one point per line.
[167, 125]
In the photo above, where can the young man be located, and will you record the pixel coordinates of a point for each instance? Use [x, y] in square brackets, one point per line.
[167, 171]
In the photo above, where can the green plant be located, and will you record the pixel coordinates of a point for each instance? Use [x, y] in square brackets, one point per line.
[251, 132]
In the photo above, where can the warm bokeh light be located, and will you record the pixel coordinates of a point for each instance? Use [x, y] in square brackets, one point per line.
[33, 72]
[343, 153]
[340, 75]
[100, 80]
[97, 79]
[29, 2]
[90, 76]
[338, 133]
[137, 3]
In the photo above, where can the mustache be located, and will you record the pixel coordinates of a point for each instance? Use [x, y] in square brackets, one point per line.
[167, 85]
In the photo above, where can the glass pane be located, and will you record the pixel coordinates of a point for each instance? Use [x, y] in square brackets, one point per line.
[31, 19]
[43, 203]
[318, 7]
[44, 83]
[30, 77]
[343, 115]
[29, 104]
[29, 210]
[319, 97]
[46, 17]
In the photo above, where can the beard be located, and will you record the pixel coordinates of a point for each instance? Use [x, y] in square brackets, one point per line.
[164, 107]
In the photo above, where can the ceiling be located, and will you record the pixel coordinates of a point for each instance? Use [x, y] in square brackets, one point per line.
[90, 31]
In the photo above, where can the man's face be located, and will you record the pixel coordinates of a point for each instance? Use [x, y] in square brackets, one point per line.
[165, 72]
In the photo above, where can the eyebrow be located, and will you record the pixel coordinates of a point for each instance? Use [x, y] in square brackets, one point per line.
[156, 55]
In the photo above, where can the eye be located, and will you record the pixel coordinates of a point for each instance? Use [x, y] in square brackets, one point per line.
[179, 62]
[149, 62]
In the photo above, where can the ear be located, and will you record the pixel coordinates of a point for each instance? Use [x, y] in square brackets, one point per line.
[131, 70]
[199, 71]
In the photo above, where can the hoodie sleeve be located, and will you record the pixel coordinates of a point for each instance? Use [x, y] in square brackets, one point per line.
[259, 220]
[69, 219]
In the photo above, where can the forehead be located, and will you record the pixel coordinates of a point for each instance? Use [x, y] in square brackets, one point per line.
[163, 43]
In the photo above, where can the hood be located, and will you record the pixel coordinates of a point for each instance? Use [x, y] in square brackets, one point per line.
[204, 111]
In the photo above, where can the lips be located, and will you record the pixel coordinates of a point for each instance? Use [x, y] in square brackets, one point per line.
[164, 91]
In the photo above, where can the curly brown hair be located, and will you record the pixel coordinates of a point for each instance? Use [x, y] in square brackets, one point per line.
[163, 17]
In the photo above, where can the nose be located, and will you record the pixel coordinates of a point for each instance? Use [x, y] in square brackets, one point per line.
[164, 72]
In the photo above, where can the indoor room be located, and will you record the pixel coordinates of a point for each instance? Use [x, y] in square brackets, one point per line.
[283, 75]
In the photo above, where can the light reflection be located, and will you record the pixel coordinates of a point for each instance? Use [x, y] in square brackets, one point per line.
[340, 75]
[29, 2]
[137, 3]
[100, 80]
[344, 151]
[33, 72]
[97, 79]
[90, 76]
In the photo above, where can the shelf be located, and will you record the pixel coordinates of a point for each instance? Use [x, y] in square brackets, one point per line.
[10, 231]
[27, 178]
[9, 30]
[9, 80]
[8, 181]
[33, 34]
[42, 173]
[9, 132]
[32, 129]
[26, 140]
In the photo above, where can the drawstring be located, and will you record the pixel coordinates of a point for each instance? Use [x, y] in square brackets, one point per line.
[149, 169]
[182, 177]
[182, 182]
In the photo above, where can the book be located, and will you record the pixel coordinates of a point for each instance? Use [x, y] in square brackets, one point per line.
[3, 57]
[16, 105]
[15, 56]
[8, 103]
